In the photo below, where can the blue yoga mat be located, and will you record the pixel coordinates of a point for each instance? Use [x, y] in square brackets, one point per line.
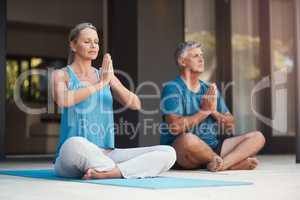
[147, 183]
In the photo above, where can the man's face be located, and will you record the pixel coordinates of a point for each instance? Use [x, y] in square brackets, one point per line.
[193, 60]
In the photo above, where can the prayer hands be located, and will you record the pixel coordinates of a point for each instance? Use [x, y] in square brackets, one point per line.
[107, 72]
[209, 99]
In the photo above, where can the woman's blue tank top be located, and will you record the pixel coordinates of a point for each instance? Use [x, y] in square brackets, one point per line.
[92, 118]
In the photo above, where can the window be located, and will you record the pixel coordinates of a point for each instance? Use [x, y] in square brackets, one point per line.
[246, 69]
[283, 67]
[34, 87]
[200, 27]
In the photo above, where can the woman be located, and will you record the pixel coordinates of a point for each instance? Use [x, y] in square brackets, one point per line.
[86, 147]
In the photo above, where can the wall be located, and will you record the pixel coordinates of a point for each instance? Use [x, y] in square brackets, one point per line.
[143, 37]
[160, 29]
[41, 27]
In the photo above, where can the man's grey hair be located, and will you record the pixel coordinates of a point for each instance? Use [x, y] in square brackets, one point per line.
[182, 49]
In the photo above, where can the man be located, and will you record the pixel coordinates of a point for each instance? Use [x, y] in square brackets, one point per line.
[196, 121]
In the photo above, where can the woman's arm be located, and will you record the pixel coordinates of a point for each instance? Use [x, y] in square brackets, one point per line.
[123, 95]
[64, 97]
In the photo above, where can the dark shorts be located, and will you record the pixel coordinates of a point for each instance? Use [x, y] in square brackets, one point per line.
[221, 140]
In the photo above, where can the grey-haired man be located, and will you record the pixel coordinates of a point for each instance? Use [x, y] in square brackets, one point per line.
[195, 117]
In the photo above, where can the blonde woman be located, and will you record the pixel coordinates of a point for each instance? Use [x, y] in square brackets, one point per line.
[86, 146]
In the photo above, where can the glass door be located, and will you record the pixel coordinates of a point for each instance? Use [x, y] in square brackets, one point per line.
[263, 70]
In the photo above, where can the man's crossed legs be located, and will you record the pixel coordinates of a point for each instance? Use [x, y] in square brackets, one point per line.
[237, 153]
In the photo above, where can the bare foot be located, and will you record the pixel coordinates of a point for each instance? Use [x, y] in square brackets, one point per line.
[247, 164]
[94, 174]
[90, 174]
[216, 164]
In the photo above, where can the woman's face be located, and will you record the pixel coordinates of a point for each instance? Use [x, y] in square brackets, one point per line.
[87, 44]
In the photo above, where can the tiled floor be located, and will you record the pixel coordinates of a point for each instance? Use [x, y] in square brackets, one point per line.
[278, 177]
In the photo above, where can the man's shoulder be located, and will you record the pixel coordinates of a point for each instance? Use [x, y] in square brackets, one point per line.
[173, 85]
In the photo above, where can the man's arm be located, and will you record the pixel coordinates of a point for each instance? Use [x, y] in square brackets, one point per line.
[180, 124]
[224, 119]
[172, 109]
[210, 102]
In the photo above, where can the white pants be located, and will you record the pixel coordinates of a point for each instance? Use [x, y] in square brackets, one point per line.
[77, 155]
